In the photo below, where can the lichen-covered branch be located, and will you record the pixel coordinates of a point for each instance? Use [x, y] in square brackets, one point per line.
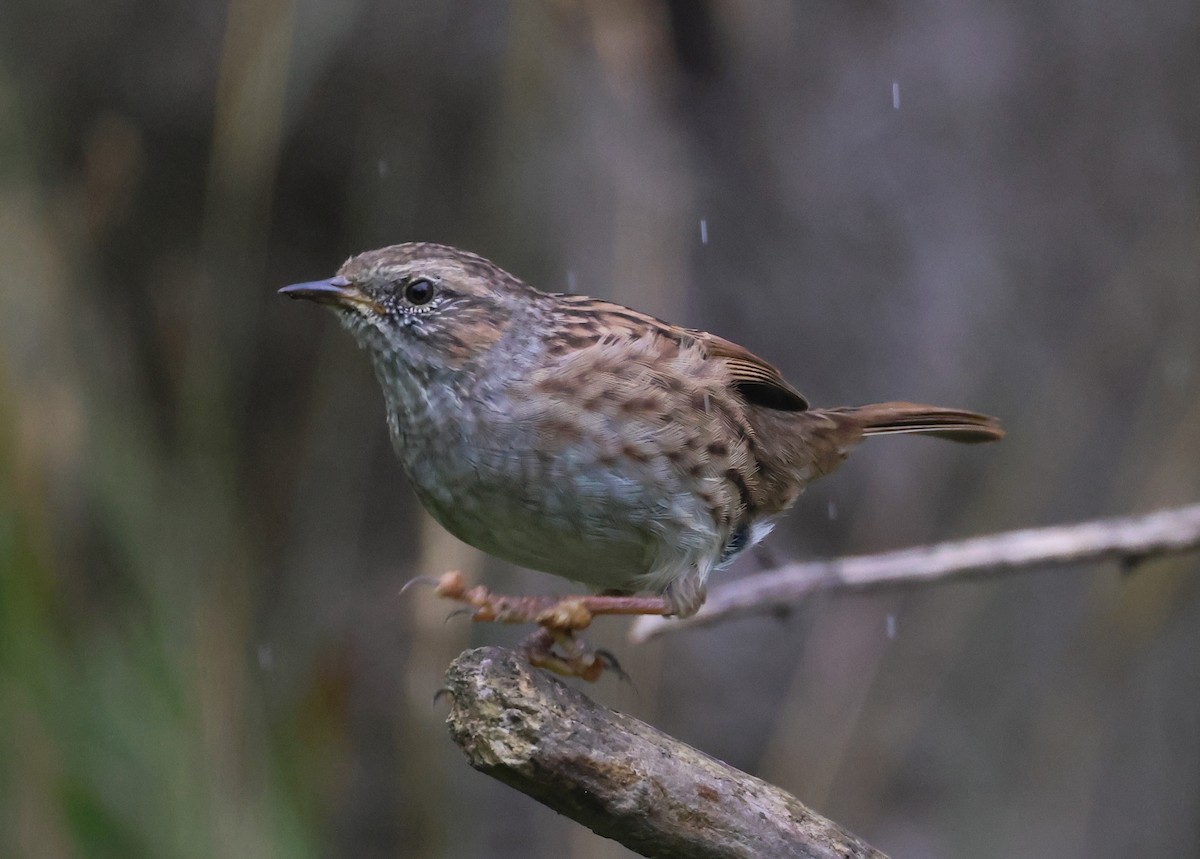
[620, 777]
[1130, 540]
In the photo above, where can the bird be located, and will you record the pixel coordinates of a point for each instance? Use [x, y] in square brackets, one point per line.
[579, 437]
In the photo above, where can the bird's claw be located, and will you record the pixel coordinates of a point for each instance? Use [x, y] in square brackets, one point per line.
[419, 580]
[458, 612]
[611, 664]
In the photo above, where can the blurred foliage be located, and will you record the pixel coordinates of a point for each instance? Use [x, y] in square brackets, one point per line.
[202, 530]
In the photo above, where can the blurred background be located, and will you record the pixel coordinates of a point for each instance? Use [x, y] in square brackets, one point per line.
[203, 533]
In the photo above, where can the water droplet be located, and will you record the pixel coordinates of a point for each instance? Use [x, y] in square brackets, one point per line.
[703, 231]
[383, 167]
[571, 280]
[895, 95]
[266, 657]
[831, 509]
[891, 627]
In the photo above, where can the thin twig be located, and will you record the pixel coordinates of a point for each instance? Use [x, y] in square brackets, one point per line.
[1131, 540]
[620, 777]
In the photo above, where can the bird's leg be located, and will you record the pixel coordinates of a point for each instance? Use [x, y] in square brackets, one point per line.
[563, 614]
[554, 646]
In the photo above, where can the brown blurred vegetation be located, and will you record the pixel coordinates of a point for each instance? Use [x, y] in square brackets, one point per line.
[203, 533]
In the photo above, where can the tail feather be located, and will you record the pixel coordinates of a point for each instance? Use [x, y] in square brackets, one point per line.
[894, 418]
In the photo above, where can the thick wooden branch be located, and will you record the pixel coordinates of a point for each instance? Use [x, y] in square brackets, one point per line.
[620, 777]
[1130, 540]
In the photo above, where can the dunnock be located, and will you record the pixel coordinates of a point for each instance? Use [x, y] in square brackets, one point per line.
[582, 438]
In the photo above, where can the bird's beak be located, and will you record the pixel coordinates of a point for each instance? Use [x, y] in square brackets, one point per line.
[336, 291]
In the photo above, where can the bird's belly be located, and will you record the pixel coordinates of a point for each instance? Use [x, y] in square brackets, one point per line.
[549, 542]
[597, 525]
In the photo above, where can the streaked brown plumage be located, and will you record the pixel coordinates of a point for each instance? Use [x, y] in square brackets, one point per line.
[586, 439]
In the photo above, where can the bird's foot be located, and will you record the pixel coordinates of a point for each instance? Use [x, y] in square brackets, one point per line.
[562, 652]
[555, 646]
[552, 612]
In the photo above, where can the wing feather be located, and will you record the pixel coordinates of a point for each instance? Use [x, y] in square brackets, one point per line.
[758, 382]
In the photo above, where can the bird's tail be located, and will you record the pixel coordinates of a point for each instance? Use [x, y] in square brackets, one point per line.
[813, 443]
[893, 418]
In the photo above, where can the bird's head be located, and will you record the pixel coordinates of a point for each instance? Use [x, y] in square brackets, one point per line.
[426, 307]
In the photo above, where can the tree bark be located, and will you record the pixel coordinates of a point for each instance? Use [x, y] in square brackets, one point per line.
[620, 777]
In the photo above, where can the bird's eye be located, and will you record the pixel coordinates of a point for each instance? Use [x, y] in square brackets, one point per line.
[418, 292]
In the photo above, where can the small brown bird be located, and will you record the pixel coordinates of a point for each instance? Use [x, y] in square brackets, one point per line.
[585, 439]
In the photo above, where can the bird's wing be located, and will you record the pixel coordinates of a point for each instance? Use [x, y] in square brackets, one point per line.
[759, 383]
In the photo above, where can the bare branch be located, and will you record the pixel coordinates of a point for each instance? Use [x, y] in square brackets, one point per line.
[620, 777]
[1131, 540]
